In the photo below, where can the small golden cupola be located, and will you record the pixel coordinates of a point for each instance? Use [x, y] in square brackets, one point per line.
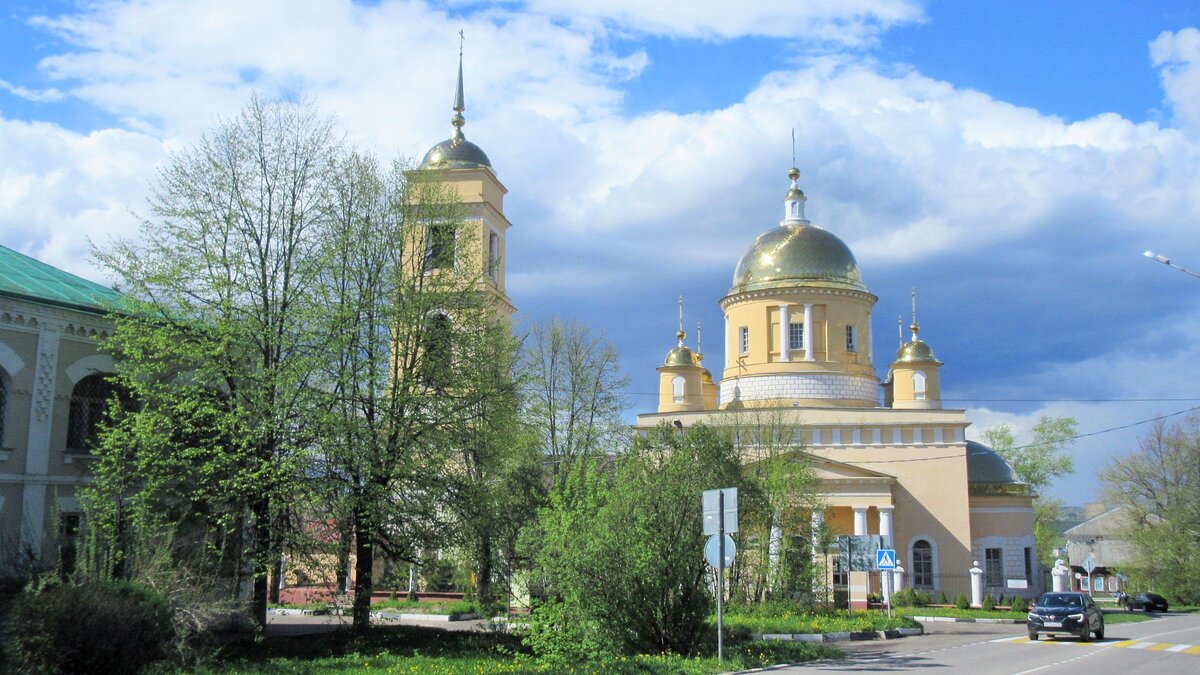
[915, 379]
[681, 378]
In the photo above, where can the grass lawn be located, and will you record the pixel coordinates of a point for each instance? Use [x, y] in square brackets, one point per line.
[958, 613]
[789, 618]
[411, 649]
[1126, 617]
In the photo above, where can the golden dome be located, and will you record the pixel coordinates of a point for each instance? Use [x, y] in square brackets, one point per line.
[680, 356]
[455, 153]
[797, 254]
[916, 351]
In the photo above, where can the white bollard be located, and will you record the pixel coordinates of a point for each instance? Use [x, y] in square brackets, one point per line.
[1061, 575]
[898, 578]
[976, 585]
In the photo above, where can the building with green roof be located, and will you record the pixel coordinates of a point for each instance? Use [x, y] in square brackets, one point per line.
[53, 395]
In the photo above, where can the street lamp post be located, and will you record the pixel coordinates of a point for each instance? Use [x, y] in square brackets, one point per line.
[1167, 261]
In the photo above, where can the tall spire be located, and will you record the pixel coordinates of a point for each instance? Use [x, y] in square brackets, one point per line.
[900, 329]
[914, 327]
[458, 120]
[793, 203]
[699, 353]
[681, 334]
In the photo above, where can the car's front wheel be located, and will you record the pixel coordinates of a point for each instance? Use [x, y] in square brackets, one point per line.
[1033, 636]
[1100, 632]
[1085, 634]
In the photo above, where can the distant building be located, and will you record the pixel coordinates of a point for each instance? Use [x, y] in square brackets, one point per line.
[891, 460]
[53, 397]
[1102, 539]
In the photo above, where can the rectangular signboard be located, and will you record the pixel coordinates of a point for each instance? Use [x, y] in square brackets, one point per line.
[859, 552]
[710, 511]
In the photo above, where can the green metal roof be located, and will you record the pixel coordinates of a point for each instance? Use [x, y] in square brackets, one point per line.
[27, 279]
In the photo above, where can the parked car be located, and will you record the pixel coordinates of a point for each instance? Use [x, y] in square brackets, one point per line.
[1072, 613]
[1148, 602]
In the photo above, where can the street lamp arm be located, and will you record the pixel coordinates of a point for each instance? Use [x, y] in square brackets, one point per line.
[1167, 261]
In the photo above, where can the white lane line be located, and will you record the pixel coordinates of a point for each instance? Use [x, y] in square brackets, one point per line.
[1141, 645]
[1177, 648]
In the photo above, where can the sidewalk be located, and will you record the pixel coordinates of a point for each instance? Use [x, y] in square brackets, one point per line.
[287, 624]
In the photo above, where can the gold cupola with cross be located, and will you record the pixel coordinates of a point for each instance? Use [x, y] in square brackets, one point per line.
[684, 384]
[916, 382]
[459, 170]
[797, 319]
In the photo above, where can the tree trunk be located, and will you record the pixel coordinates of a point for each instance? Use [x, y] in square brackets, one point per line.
[483, 578]
[276, 578]
[261, 548]
[364, 582]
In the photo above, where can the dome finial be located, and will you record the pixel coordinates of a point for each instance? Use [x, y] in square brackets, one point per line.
[900, 329]
[914, 327]
[458, 120]
[793, 203]
[681, 335]
[699, 353]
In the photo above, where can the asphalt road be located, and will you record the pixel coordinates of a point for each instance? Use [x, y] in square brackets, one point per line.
[1168, 644]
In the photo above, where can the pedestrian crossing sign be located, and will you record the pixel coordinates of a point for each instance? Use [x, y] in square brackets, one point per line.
[885, 558]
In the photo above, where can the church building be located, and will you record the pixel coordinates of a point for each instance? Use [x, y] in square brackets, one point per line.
[889, 459]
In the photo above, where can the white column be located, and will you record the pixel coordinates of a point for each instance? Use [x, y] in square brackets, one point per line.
[818, 522]
[808, 332]
[774, 543]
[860, 520]
[1060, 574]
[976, 585]
[728, 345]
[885, 521]
[784, 330]
[37, 457]
[898, 577]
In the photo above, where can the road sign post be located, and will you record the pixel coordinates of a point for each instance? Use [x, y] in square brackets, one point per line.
[885, 560]
[720, 517]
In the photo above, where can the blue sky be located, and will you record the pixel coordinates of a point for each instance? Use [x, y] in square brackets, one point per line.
[1009, 159]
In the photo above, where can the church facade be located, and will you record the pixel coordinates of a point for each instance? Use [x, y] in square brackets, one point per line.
[889, 459]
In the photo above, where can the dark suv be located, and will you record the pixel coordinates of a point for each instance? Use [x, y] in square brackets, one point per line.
[1073, 613]
[1149, 602]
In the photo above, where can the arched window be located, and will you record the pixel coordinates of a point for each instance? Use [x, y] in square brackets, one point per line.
[922, 564]
[677, 388]
[919, 385]
[89, 410]
[436, 349]
[4, 387]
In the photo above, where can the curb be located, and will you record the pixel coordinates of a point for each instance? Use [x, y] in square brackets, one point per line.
[287, 611]
[840, 637]
[954, 619]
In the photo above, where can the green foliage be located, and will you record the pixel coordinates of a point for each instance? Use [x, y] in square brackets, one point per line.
[961, 601]
[989, 603]
[921, 598]
[1018, 604]
[621, 548]
[107, 627]
[1158, 490]
[904, 597]
[942, 599]
[1039, 463]
[793, 617]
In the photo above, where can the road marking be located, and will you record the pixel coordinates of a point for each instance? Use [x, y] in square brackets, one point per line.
[1144, 645]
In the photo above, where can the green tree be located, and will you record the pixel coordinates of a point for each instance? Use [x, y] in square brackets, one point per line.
[418, 370]
[1158, 487]
[216, 330]
[622, 552]
[571, 389]
[776, 540]
[1038, 464]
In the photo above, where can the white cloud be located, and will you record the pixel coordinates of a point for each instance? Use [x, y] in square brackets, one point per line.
[1178, 55]
[37, 96]
[849, 22]
[1030, 228]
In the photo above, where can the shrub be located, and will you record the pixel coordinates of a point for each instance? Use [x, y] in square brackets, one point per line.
[961, 601]
[942, 599]
[105, 627]
[989, 603]
[921, 598]
[1018, 604]
[904, 598]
